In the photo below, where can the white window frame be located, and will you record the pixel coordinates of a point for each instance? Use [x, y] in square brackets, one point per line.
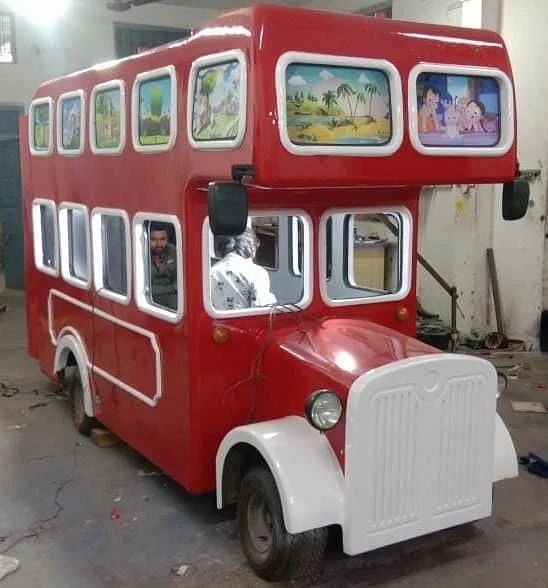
[506, 96]
[65, 245]
[110, 85]
[139, 273]
[406, 245]
[262, 310]
[141, 78]
[211, 60]
[59, 126]
[97, 247]
[396, 104]
[37, 236]
[295, 248]
[38, 102]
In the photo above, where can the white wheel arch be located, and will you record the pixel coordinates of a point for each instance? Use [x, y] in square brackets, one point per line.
[69, 341]
[308, 476]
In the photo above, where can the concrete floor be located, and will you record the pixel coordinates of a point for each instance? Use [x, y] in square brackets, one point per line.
[58, 491]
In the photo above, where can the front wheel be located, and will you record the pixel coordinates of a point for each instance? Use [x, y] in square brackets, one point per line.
[272, 552]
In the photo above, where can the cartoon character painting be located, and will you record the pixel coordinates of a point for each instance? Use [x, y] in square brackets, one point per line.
[428, 112]
[471, 110]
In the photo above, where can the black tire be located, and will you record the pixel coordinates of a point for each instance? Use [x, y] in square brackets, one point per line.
[276, 554]
[81, 420]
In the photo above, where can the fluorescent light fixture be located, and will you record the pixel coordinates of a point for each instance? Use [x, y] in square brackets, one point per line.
[40, 12]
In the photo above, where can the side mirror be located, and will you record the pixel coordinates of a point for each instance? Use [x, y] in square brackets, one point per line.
[227, 208]
[515, 199]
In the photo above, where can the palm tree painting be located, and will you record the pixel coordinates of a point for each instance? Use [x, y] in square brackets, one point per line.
[337, 105]
[217, 100]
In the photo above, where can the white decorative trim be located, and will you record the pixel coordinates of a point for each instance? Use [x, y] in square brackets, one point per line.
[261, 310]
[406, 241]
[67, 96]
[105, 86]
[37, 235]
[211, 60]
[161, 72]
[97, 245]
[149, 401]
[139, 270]
[65, 245]
[506, 110]
[41, 152]
[396, 104]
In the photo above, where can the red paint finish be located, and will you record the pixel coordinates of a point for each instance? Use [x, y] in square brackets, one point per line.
[266, 368]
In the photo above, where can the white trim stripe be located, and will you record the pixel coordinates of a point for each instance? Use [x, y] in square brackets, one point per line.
[152, 402]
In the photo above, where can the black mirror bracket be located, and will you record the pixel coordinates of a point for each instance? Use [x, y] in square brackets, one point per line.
[242, 170]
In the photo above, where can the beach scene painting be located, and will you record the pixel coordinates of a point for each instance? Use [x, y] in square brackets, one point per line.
[108, 119]
[217, 99]
[337, 105]
[71, 118]
[155, 111]
[41, 127]
[458, 110]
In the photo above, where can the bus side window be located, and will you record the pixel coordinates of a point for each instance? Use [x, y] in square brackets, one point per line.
[75, 244]
[111, 254]
[158, 271]
[45, 236]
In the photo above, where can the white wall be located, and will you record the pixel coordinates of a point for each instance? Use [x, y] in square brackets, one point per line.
[85, 36]
[520, 246]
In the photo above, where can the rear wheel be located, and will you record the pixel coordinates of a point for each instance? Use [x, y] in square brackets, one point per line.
[81, 420]
[272, 552]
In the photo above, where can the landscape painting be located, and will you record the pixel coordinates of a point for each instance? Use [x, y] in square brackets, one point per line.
[216, 112]
[337, 105]
[155, 111]
[458, 110]
[108, 119]
[71, 119]
[41, 127]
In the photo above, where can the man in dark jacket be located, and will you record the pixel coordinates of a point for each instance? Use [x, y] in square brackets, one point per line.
[163, 267]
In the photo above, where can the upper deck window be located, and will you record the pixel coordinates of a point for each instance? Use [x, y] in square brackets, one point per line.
[460, 111]
[107, 121]
[40, 126]
[217, 100]
[366, 256]
[154, 110]
[338, 105]
[70, 123]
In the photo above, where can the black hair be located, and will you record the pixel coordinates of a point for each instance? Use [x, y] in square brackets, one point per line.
[159, 226]
[244, 244]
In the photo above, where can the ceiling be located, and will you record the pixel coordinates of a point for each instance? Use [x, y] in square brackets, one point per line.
[226, 5]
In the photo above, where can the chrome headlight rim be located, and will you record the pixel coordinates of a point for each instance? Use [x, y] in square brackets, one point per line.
[312, 404]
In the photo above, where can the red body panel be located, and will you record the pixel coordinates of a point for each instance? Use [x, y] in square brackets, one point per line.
[264, 371]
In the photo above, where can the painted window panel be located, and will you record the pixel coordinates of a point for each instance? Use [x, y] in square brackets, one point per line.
[41, 127]
[108, 119]
[217, 101]
[458, 110]
[71, 123]
[155, 111]
[337, 105]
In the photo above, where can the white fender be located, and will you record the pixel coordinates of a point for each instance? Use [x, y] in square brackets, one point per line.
[305, 468]
[70, 340]
[505, 459]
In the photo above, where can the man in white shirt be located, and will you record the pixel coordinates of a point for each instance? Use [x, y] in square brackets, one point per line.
[236, 281]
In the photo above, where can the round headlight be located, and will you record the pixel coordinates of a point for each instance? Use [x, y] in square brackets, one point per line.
[323, 410]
